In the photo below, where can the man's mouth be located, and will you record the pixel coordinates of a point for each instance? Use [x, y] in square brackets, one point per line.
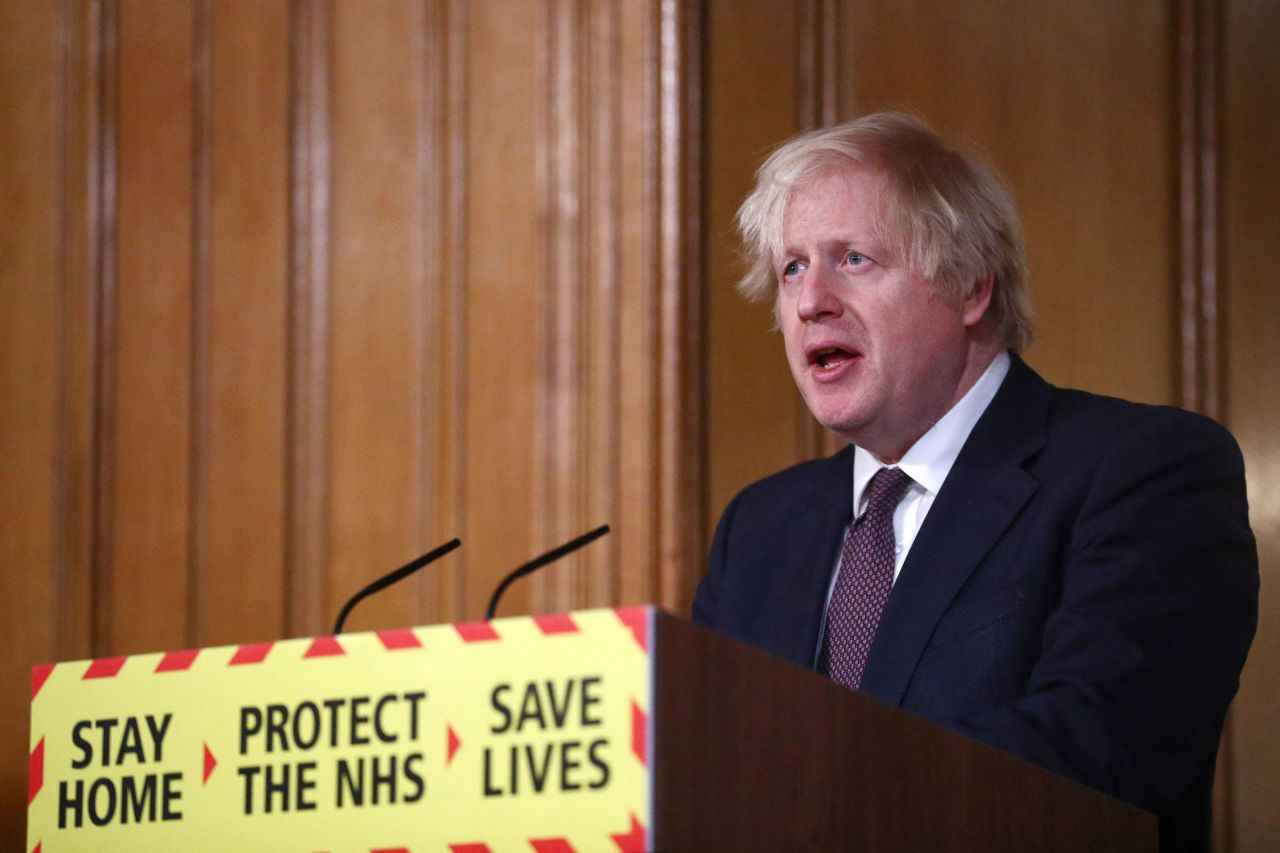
[831, 358]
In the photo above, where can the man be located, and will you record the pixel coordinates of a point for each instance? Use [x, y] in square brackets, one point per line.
[1070, 578]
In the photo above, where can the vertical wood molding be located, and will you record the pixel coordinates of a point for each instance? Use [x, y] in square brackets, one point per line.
[682, 440]
[577, 466]
[1196, 24]
[818, 59]
[636, 550]
[579, 473]
[602, 350]
[307, 490]
[79, 248]
[441, 287]
[62, 571]
[104, 352]
[442, 153]
[201, 189]
[426, 275]
[559, 438]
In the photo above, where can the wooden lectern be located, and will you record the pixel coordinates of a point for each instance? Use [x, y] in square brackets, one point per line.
[753, 753]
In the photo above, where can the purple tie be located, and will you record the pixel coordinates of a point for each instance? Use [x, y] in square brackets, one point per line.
[865, 579]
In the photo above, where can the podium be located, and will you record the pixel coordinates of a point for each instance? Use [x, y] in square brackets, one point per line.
[753, 753]
[617, 729]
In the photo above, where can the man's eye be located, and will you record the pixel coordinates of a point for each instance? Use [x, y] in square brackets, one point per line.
[791, 269]
[855, 259]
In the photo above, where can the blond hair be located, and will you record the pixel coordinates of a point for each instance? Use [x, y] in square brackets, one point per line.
[951, 219]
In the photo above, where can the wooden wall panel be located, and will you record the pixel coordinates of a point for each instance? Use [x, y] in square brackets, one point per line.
[307, 487]
[83, 180]
[376, 319]
[756, 420]
[1251, 197]
[244, 228]
[562, 446]
[152, 393]
[682, 354]
[443, 192]
[619, 402]
[30, 316]
[505, 289]
[1037, 87]
[635, 544]
[577, 327]
[595, 579]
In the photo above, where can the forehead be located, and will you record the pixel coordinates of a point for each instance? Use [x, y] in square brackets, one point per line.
[836, 204]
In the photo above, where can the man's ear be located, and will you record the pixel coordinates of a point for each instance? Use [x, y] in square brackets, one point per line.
[979, 299]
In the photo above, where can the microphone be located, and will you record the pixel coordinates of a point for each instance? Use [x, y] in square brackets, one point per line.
[395, 577]
[538, 562]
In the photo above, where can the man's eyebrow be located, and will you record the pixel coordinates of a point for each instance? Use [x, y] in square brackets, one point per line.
[872, 243]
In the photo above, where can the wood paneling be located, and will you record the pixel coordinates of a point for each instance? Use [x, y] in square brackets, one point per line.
[756, 420]
[1036, 87]
[376, 290]
[443, 147]
[83, 181]
[307, 540]
[296, 290]
[1197, 106]
[635, 545]
[244, 330]
[30, 316]
[576, 431]
[1251, 198]
[151, 393]
[682, 331]
[505, 289]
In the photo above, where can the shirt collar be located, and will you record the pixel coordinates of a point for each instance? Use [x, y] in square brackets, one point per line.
[929, 460]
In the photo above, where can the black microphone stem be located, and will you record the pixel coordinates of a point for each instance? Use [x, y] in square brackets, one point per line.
[395, 577]
[538, 562]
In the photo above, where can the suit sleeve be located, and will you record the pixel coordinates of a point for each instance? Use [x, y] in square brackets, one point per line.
[1158, 606]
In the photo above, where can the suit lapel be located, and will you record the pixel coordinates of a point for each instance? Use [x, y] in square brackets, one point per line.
[808, 558]
[982, 495]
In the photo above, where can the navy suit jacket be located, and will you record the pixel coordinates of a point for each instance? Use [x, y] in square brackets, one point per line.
[1082, 594]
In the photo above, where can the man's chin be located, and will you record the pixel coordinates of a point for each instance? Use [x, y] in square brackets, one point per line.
[842, 424]
[838, 410]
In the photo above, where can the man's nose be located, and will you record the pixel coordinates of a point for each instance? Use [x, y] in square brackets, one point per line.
[817, 294]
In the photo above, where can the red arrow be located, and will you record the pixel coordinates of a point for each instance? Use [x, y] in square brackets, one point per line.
[209, 763]
[454, 743]
[633, 841]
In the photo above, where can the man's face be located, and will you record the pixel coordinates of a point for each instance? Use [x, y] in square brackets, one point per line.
[877, 354]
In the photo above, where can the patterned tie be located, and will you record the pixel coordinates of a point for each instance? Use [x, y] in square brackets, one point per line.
[865, 579]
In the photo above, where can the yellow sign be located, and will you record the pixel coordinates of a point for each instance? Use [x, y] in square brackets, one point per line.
[527, 734]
